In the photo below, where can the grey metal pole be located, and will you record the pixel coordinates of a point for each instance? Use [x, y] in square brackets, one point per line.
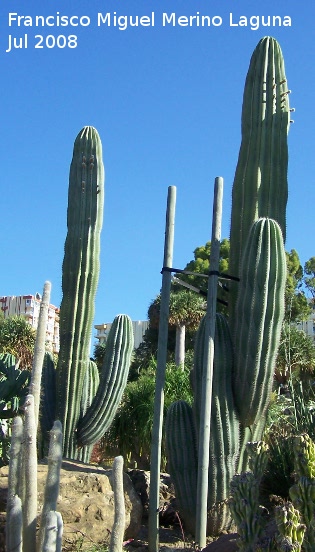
[160, 374]
[207, 376]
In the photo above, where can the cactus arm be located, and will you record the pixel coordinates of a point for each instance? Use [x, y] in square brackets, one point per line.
[113, 379]
[79, 278]
[90, 386]
[260, 311]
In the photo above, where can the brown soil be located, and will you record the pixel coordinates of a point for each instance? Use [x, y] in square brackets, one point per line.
[173, 538]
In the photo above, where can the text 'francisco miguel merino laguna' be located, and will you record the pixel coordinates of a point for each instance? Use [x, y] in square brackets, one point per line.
[172, 19]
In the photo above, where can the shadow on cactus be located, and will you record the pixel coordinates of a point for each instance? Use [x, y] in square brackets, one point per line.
[84, 407]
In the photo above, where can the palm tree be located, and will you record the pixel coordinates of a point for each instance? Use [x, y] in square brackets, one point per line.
[186, 310]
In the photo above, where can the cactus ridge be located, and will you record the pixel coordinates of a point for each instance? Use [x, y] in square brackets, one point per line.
[224, 434]
[224, 429]
[48, 398]
[260, 309]
[181, 446]
[90, 386]
[113, 379]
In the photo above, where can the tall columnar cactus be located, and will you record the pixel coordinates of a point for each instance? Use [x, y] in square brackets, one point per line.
[260, 186]
[80, 273]
[258, 258]
[84, 405]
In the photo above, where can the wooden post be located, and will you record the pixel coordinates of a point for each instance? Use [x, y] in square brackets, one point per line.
[160, 374]
[207, 376]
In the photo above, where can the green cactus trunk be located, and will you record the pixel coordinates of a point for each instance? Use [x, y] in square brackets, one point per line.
[182, 456]
[260, 184]
[90, 386]
[79, 278]
[182, 428]
[260, 311]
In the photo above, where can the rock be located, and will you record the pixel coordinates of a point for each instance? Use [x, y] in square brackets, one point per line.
[167, 503]
[225, 543]
[85, 502]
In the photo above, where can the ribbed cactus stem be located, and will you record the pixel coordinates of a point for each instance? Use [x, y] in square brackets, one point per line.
[53, 476]
[113, 379]
[260, 186]
[53, 532]
[224, 428]
[245, 509]
[79, 277]
[302, 495]
[291, 530]
[14, 525]
[29, 505]
[118, 529]
[90, 387]
[260, 311]
[304, 456]
[181, 446]
[48, 398]
[39, 350]
[15, 457]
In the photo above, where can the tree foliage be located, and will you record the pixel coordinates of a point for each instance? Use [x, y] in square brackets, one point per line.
[17, 337]
[131, 431]
[309, 279]
[200, 265]
[297, 306]
[296, 355]
[186, 308]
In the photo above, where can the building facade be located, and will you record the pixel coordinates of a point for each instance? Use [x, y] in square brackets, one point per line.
[139, 328]
[29, 306]
[308, 326]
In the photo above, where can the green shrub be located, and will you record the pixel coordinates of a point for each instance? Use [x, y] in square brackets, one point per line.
[130, 433]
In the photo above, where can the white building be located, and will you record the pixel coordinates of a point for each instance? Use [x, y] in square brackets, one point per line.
[139, 328]
[308, 326]
[28, 306]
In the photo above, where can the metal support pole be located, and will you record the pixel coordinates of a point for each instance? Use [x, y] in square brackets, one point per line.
[207, 376]
[160, 374]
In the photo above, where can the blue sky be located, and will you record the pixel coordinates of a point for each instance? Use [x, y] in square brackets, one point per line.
[167, 104]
